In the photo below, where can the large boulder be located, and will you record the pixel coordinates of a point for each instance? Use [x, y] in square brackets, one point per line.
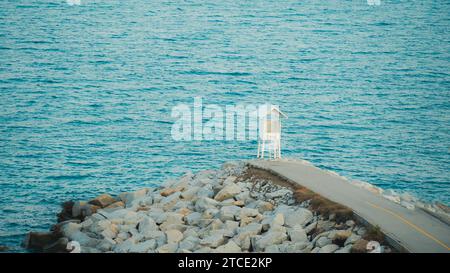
[103, 200]
[190, 193]
[125, 246]
[231, 226]
[59, 246]
[82, 209]
[128, 197]
[189, 243]
[264, 206]
[270, 238]
[248, 212]
[272, 221]
[39, 240]
[167, 248]
[297, 234]
[205, 191]
[204, 203]
[341, 236]
[110, 232]
[66, 212]
[193, 218]
[296, 247]
[167, 191]
[106, 245]
[210, 213]
[228, 191]
[69, 228]
[229, 213]
[172, 218]
[213, 241]
[353, 238]
[170, 201]
[249, 230]
[157, 235]
[328, 248]
[345, 249]
[174, 236]
[147, 225]
[323, 241]
[84, 239]
[114, 206]
[295, 216]
[359, 246]
[230, 247]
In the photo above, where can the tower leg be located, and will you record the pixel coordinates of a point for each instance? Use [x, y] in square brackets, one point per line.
[259, 149]
[263, 147]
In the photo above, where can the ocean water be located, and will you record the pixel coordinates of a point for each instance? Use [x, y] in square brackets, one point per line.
[86, 93]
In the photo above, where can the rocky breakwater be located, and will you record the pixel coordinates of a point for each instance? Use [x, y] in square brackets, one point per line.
[230, 210]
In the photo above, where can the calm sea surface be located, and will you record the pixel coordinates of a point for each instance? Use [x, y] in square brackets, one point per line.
[86, 93]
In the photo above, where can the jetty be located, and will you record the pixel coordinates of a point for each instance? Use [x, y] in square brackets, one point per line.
[411, 230]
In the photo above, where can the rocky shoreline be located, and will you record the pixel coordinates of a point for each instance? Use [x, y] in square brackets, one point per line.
[231, 210]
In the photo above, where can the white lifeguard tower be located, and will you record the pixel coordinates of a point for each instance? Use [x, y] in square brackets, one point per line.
[270, 133]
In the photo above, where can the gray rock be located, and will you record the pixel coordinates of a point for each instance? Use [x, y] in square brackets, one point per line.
[147, 225]
[323, 241]
[172, 218]
[293, 217]
[230, 247]
[345, 249]
[128, 197]
[270, 238]
[247, 212]
[231, 227]
[272, 249]
[228, 191]
[229, 213]
[189, 243]
[174, 236]
[193, 218]
[328, 248]
[310, 227]
[167, 248]
[190, 193]
[103, 200]
[70, 228]
[206, 191]
[210, 213]
[213, 241]
[249, 230]
[157, 235]
[361, 231]
[297, 234]
[296, 247]
[204, 203]
[170, 201]
[325, 225]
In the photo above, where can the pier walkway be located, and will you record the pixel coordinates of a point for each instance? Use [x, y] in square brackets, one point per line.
[413, 230]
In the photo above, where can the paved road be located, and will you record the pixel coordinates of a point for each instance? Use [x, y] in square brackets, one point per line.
[415, 230]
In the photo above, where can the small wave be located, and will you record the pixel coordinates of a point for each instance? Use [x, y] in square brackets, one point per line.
[67, 177]
[203, 73]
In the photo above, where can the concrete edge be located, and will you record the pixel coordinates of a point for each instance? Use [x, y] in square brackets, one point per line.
[395, 243]
[441, 217]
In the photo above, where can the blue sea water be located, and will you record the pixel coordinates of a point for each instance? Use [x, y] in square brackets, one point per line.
[86, 93]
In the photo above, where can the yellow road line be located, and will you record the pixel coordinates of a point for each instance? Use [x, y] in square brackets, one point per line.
[412, 225]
